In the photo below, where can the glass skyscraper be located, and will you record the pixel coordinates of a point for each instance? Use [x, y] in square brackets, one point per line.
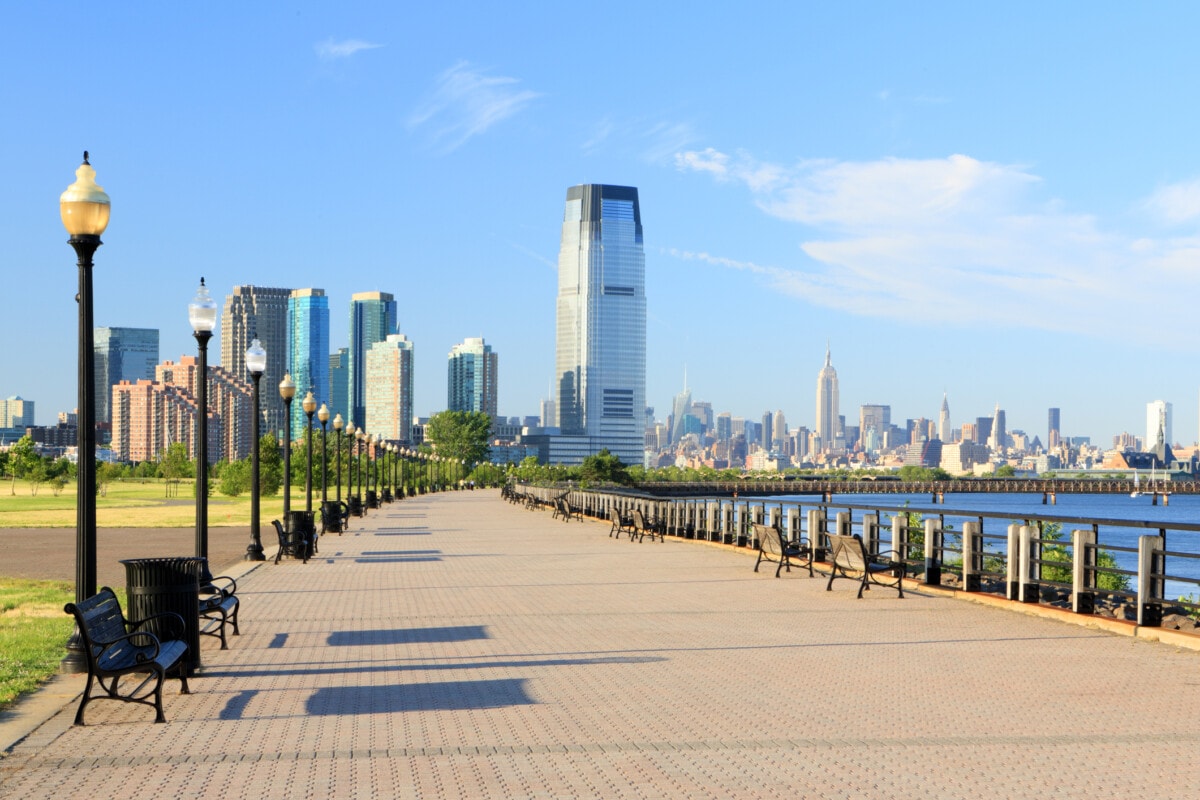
[372, 319]
[122, 354]
[472, 377]
[601, 322]
[308, 350]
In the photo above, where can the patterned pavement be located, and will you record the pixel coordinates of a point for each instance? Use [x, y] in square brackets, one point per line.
[457, 646]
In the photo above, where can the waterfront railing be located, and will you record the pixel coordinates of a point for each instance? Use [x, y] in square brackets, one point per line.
[1112, 567]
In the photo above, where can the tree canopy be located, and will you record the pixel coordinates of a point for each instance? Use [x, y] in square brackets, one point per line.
[460, 435]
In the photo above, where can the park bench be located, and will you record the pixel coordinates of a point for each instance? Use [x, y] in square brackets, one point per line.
[621, 523]
[564, 511]
[849, 559]
[641, 529]
[773, 547]
[294, 544]
[219, 608]
[116, 647]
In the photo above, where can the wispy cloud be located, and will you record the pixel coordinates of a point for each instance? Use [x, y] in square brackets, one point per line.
[958, 240]
[465, 102]
[332, 49]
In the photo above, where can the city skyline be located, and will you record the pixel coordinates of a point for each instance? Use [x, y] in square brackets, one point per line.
[959, 201]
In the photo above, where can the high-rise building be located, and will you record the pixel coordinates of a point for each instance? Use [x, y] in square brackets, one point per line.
[873, 423]
[1158, 419]
[16, 415]
[778, 430]
[258, 312]
[827, 427]
[389, 388]
[945, 432]
[998, 438]
[372, 319]
[122, 354]
[339, 383]
[308, 350]
[549, 419]
[724, 426]
[681, 406]
[600, 358]
[471, 377]
[1054, 432]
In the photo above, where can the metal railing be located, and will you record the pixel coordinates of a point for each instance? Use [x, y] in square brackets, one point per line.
[1120, 568]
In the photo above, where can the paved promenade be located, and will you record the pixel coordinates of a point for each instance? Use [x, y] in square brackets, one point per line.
[458, 646]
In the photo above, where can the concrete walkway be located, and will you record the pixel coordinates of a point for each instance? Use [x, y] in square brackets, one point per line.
[457, 646]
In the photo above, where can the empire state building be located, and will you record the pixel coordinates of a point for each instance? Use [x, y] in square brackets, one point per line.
[828, 418]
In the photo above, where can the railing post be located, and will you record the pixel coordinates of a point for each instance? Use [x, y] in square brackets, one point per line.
[1012, 566]
[870, 534]
[816, 533]
[843, 523]
[743, 524]
[775, 518]
[972, 557]
[1083, 571]
[900, 539]
[933, 547]
[793, 524]
[1029, 589]
[1150, 587]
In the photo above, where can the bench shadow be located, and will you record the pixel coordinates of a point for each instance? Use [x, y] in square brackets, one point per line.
[449, 633]
[438, 696]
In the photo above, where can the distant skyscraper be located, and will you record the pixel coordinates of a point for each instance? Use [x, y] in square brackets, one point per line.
[122, 354]
[389, 388]
[471, 377]
[372, 319]
[778, 430]
[724, 426]
[827, 404]
[16, 414]
[1158, 417]
[998, 439]
[308, 350]
[549, 419]
[680, 408]
[600, 360]
[944, 429]
[873, 423]
[768, 422]
[1054, 432]
[339, 384]
[258, 312]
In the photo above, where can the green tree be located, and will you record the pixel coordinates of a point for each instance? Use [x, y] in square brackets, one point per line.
[270, 466]
[460, 435]
[1006, 471]
[22, 459]
[604, 467]
[1059, 554]
[234, 478]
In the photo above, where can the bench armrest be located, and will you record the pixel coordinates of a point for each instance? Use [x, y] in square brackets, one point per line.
[174, 621]
[227, 589]
[147, 651]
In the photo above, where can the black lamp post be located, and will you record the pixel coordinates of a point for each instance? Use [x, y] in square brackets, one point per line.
[287, 390]
[202, 313]
[84, 208]
[309, 404]
[338, 424]
[256, 365]
[351, 459]
[362, 439]
[323, 417]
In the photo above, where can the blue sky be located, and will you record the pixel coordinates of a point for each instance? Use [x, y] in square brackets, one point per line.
[997, 201]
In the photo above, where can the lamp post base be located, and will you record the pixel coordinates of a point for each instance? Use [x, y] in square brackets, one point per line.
[75, 661]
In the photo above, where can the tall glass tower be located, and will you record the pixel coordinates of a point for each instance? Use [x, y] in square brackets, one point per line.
[372, 319]
[122, 354]
[258, 312]
[308, 349]
[471, 377]
[600, 362]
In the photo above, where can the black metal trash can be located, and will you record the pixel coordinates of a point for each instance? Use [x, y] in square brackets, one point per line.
[155, 585]
[331, 516]
[303, 523]
[355, 506]
[372, 499]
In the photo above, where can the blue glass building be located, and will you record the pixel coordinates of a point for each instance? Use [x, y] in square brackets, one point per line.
[601, 323]
[308, 350]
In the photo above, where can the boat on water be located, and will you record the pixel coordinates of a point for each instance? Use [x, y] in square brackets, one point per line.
[1137, 482]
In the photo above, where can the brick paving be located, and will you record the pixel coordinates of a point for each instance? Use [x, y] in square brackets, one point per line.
[457, 646]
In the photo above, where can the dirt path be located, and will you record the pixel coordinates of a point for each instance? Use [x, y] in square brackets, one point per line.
[49, 553]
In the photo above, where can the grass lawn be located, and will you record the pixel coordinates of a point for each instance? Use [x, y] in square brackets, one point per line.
[133, 504]
[33, 632]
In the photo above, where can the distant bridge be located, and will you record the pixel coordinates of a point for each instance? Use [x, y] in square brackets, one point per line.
[936, 489]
